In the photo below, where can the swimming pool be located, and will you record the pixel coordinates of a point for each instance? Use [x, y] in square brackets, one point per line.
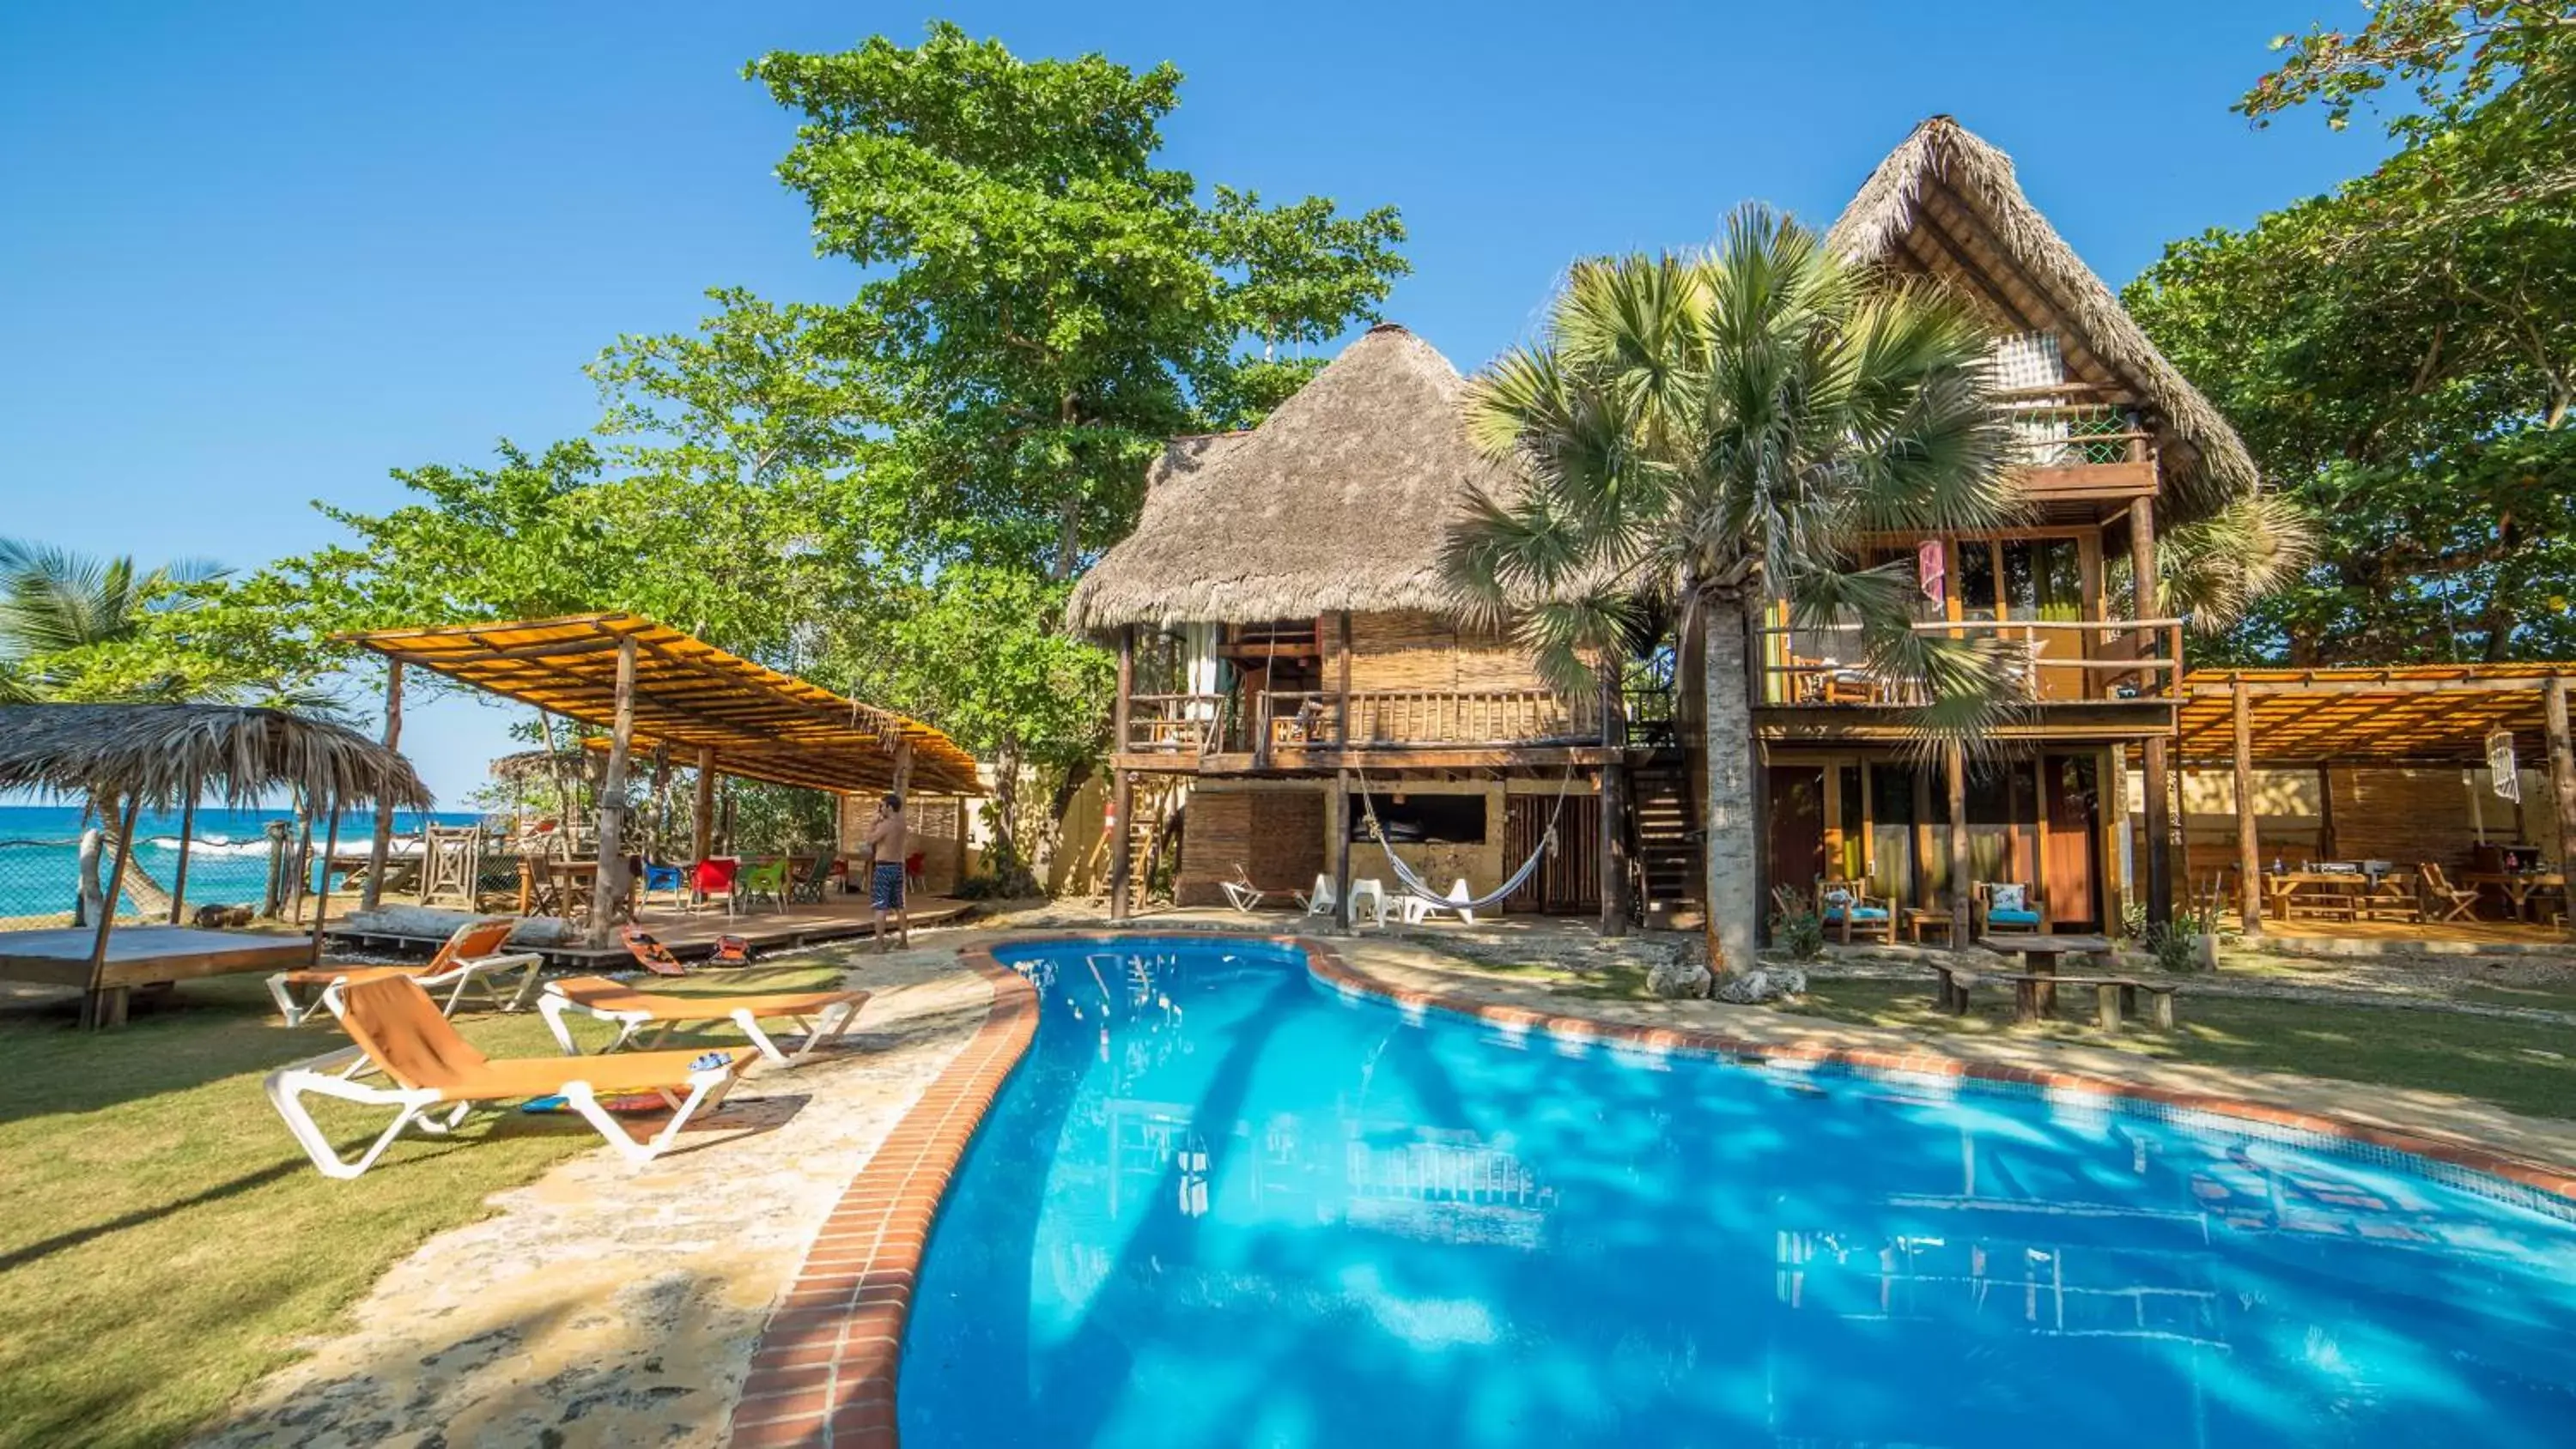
[1220, 1204]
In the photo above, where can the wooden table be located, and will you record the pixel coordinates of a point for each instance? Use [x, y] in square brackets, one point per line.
[2518, 886]
[2329, 893]
[1919, 919]
[2039, 952]
[143, 956]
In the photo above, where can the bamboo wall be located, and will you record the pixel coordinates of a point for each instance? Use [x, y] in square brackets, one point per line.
[1275, 832]
[937, 821]
[1417, 650]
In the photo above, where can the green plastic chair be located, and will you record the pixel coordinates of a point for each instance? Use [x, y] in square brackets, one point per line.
[768, 878]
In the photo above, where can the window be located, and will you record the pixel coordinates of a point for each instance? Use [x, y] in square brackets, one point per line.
[1426, 819]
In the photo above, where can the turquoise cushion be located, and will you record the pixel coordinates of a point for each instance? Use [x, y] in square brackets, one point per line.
[2014, 918]
[1861, 913]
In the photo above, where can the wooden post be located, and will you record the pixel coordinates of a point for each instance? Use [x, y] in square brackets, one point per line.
[100, 1006]
[2562, 778]
[1614, 806]
[2249, 847]
[1342, 711]
[2145, 588]
[1121, 825]
[1340, 815]
[380, 844]
[300, 880]
[322, 901]
[187, 837]
[1963, 885]
[608, 889]
[702, 808]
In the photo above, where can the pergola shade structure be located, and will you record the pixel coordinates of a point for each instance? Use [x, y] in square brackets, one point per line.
[2393, 717]
[651, 686]
[690, 695]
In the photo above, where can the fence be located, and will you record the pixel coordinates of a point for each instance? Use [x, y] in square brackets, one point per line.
[41, 878]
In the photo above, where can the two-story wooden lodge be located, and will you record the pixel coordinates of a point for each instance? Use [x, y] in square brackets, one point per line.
[1286, 640]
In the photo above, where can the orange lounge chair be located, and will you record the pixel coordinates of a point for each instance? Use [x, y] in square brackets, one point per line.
[471, 954]
[634, 1012]
[399, 1032]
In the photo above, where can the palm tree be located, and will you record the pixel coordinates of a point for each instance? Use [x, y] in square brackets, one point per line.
[55, 603]
[1717, 430]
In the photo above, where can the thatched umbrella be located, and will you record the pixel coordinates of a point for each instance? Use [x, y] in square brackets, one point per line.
[163, 754]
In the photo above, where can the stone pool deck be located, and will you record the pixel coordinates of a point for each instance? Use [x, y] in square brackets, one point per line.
[751, 1288]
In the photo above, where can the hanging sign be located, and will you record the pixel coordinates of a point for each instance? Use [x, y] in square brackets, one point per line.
[1932, 570]
[2501, 769]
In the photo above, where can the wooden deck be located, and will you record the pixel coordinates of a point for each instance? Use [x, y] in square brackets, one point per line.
[143, 955]
[692, 934]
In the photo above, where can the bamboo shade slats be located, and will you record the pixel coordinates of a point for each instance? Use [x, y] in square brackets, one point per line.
[760, 724]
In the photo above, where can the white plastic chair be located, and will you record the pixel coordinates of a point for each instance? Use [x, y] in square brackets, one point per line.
[1321, 900]
[1371, 893]
[1417, 910]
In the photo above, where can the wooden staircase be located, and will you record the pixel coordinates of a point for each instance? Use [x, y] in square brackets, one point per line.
[1155, 796]
[1667, 851]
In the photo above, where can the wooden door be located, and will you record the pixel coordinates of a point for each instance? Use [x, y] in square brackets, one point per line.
[1796, 827]
[2070, 825]
[1568, 881]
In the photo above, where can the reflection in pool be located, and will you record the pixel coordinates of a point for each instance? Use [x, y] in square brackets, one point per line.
[1218, 1204]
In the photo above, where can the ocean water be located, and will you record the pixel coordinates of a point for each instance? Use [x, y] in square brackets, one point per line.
[1221, 1205]
[228, 864]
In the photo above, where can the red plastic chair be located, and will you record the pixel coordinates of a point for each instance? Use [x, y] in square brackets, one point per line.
[715, 876]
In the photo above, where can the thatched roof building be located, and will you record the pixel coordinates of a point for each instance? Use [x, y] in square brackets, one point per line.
[1946, 203]
[1338, 501]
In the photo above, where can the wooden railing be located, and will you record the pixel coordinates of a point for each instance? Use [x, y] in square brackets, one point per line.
[2049, 661]
[1372, 718]
[1175, 724]
[2064, 427]
[1196, 725]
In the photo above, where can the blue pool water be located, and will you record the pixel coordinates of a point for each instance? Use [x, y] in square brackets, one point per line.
[1218, 1204]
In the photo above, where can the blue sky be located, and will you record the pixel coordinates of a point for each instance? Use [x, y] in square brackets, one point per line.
[256, 255]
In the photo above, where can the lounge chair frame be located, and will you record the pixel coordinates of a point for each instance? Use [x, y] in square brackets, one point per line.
[334, 1074]
[478, 975]
[830, 1026]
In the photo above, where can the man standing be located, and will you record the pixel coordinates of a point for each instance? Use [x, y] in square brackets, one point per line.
[887, 840]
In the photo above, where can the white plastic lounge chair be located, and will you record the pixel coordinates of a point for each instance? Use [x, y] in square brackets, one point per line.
[470, 960]
[1321, 900]
[1417, 910]
[1246, 896]
[437, 1077]
[634, 1012]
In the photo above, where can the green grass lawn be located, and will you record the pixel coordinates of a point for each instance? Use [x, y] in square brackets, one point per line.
[2519, 1066]
[163, 1243]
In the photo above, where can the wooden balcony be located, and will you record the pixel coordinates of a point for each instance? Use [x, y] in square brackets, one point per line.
[2072, 446]
[1292, 729]
[2049, 663]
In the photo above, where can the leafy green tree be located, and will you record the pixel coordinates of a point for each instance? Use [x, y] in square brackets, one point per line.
[2401, 354]
[1720, 428]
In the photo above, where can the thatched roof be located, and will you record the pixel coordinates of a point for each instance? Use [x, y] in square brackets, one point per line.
[165, 753]
[1946, 203]
[1338, 501]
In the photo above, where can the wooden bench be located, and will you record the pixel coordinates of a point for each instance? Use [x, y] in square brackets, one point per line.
[2114, 997]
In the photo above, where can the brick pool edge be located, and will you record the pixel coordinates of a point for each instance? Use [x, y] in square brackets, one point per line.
[825, 1369]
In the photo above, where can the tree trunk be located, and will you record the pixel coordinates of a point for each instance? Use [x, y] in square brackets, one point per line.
[1731, 849]
[555, 769]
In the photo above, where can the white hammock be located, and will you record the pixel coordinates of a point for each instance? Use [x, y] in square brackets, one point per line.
[1415, 886]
